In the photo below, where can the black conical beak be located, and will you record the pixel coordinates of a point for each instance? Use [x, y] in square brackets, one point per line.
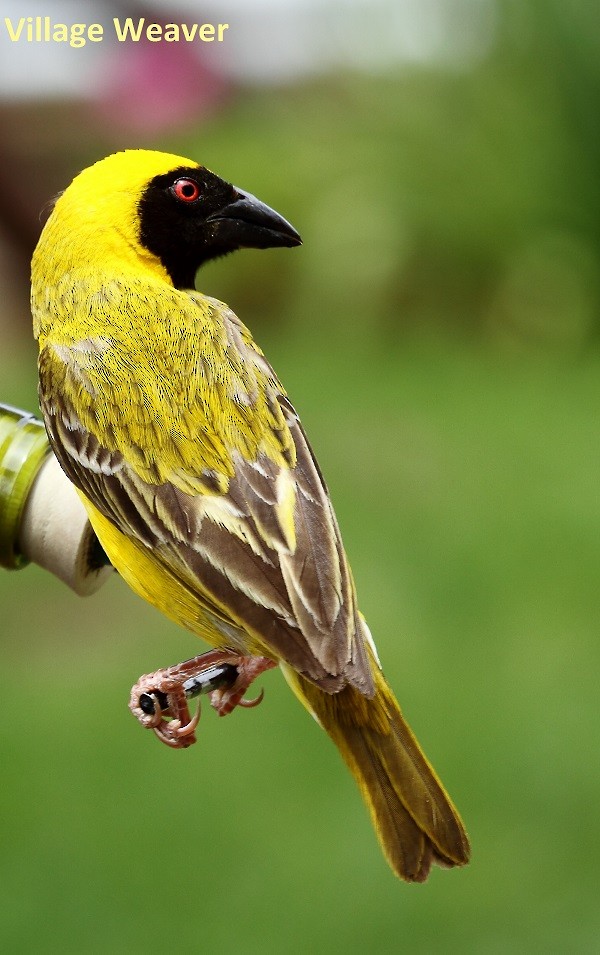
[249, 223]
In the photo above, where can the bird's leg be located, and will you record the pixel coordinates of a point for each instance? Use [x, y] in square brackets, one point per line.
[160, 700]
[226, 697]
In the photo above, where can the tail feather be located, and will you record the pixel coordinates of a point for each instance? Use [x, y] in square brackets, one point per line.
[414, 818]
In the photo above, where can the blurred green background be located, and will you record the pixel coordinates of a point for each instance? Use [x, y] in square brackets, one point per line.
[438, 333]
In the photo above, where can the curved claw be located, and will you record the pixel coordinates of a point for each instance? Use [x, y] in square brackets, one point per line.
[254, 702]
[165, 738]
[189, 728]
[248, 668]
[175, 734]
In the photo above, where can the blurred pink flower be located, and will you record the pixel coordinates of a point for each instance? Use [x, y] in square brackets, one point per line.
[154, 87]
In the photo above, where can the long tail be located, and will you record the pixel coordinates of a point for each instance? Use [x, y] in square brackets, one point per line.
[411, 812]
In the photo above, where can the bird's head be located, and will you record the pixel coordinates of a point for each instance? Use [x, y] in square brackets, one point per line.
[169, 208]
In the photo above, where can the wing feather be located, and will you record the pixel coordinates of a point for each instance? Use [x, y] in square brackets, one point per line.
[256, 539]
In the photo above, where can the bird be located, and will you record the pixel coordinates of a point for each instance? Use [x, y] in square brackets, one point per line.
[198, 478]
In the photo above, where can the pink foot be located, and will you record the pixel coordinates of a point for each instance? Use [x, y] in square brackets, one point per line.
[228, 696]
[160, 700]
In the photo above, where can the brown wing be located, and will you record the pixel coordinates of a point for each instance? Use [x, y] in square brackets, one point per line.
[266, 551]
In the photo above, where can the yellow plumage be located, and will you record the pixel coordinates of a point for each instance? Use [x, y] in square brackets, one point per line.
[195, 470]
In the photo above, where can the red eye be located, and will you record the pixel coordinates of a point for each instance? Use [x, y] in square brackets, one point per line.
[186, 190]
